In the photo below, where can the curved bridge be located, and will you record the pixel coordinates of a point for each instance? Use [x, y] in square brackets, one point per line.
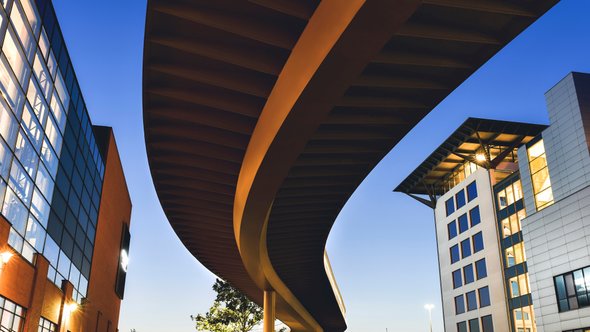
[263, 116]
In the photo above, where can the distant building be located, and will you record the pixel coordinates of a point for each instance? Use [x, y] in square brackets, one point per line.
[510, 235]
[64, 204]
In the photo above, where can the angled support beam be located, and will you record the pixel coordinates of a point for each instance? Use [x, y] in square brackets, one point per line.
[500, 157]
[448, 34]
[431, 204]
[420, 59]
[243, 26]
[465, 157]
[485, 6]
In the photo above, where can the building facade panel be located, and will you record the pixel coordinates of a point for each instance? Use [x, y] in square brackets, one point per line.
[556, 236]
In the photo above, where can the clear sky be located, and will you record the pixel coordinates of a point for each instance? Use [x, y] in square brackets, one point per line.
[382, 246]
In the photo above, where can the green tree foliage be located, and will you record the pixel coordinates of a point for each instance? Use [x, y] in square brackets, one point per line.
[231, 311]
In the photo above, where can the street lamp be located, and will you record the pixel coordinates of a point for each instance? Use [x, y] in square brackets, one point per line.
[429, 307]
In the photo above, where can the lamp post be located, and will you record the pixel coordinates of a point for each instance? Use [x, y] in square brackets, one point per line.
[429, 307]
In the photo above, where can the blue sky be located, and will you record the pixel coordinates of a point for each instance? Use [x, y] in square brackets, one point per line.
[382, 246]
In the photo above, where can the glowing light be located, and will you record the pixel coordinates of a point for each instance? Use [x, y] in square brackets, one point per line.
[5, 257]
[480, 157]
[429, 306]
[71, 307]
[124, 260]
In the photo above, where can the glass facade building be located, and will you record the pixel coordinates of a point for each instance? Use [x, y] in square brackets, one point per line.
[51, 170]
[510, 212]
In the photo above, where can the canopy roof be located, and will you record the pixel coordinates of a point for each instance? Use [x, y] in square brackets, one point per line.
[466, 141]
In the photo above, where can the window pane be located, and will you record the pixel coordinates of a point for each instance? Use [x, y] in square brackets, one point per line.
[509, 195]
[474, 216]
[517, 190]
[454, 253]
[481, 270]
[486, 324]
[452, 229]
[502, 203]
[477, 242]
[471, 191]
[465, 248]
[15, 57]
[10, 88]
[8, 125]
[463, 223]
[457, 282]
[462, 327]
[471, 301]
[450, 206]
[473, 325]
[5, 161]
[484, 297]
[460, 197]
[459, 304]
[541, 180]
[468, 274]
[514, 290]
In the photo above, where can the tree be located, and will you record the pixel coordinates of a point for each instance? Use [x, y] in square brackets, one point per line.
[231, 311]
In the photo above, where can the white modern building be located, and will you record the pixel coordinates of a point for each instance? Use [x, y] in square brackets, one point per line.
[513, 237]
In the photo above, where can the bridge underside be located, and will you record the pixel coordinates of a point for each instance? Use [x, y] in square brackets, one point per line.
[262, 117]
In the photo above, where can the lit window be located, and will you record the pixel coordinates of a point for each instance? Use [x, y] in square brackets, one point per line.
[46, 325]
[524, 319]
[514, 255]
[502, 203]
[484, 296]
[518, 285]
[13, 315]
[540, 175]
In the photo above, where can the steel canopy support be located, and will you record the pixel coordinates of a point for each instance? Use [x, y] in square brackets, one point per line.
[430, 203]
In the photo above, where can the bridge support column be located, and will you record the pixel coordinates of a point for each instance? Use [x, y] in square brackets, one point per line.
[269, 311]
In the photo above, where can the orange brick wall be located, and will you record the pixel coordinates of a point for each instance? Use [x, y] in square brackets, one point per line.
[28, 286]
[115, 209]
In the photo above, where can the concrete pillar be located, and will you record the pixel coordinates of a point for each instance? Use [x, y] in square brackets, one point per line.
[268, 324]
[65, 312]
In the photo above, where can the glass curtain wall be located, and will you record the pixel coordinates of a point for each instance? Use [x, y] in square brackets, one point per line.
[50, 168]
[510, 213]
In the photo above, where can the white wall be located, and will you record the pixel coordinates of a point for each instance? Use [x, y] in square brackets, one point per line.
[491, 252]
